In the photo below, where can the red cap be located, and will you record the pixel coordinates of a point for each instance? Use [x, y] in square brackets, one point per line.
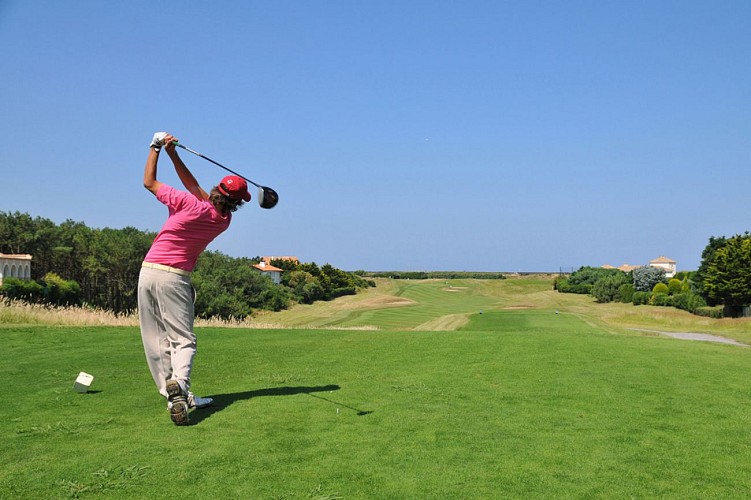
[235, 187]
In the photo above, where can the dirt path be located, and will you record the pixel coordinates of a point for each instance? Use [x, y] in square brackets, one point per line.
[704, 337]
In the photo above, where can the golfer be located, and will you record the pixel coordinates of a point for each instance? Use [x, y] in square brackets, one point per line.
[165, 291]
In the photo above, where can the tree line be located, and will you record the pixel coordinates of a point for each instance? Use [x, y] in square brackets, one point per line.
[74, 264]
[720, 287]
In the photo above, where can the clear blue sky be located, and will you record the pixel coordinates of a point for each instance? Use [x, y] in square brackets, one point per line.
[411, 135]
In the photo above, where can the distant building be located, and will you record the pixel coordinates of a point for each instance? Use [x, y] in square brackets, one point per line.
[662, 262]
[15, 266]
[669, 265]
[273, 272]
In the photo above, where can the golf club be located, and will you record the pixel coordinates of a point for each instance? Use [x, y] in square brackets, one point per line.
[267, 197]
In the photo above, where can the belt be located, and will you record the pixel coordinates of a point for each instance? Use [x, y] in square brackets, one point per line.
[169, 269]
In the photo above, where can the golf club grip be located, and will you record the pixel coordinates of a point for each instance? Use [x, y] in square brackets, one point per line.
[214, 162]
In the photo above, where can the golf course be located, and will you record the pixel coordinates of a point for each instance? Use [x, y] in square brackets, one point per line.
[411, 389]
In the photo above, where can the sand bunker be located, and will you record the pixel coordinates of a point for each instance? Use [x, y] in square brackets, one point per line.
[703, 337]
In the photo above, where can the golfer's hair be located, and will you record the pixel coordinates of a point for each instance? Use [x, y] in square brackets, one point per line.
[224, 203]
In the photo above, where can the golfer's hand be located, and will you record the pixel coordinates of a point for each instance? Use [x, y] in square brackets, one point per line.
[158, 140]
[169, 143]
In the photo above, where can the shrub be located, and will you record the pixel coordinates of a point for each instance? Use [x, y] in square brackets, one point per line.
[680, 301]
[661, 299]
[646, 277]
[715, 312]
[563, 285]
[674, 286]
[583, 281]
[582, 288]
[276, 298]
[696, 301]
[660, 289]
[54, 290]
[627, 292]
[641, 298]
[688, 301]
[61, 292]
[26, 290]
[345, 290]
[607, 289]
[305, 287]
[590, 275]
[559, 282]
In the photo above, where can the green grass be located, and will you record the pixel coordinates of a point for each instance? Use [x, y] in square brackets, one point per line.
[448, 305]
[430, 300]
[406, 304]
[515, 404]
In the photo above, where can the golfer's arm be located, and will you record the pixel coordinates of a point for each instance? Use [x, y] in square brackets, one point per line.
[149, 173]
[190, 182]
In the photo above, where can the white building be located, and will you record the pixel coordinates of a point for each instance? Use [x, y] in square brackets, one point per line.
[15, 266]
[669, 265]
[273, 272]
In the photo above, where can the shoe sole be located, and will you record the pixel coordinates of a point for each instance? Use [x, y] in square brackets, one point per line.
[179, 410]
[179, 413]
[204, 405]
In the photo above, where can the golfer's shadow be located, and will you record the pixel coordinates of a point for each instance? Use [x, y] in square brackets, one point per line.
[222, 401]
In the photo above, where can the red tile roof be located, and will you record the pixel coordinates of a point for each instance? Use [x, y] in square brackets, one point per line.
[267, 268]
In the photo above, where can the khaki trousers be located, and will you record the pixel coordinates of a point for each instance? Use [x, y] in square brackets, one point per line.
[166, 313]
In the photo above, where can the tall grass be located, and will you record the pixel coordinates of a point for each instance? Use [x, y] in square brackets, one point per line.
[22, 313]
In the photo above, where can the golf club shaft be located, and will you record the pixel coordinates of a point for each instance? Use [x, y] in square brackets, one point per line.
[215, 163]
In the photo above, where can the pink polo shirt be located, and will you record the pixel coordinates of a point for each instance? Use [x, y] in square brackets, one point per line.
[192, 224]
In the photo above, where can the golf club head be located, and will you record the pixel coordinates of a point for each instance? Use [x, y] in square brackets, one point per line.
[267, 197]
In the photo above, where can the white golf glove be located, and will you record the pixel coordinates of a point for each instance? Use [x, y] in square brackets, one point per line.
[158, 141]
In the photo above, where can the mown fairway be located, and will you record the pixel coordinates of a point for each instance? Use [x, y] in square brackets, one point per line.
[520, 403]
[448, 304]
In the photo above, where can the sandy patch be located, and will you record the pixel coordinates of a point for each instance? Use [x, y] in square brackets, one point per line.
[384, 301]
[449, 322]
[523, 306]
[704, 337]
